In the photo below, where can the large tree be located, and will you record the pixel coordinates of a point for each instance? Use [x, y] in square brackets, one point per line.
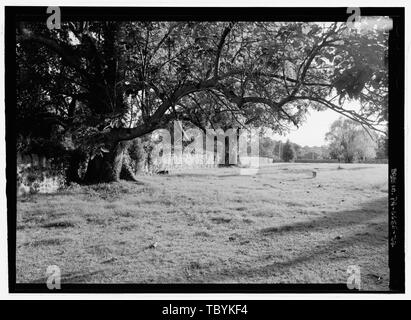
[350, 142]
[100, 84]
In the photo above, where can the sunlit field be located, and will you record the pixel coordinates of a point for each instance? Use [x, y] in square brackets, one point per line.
[213, 226]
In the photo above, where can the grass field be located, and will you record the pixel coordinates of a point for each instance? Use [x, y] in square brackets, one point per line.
[214, 226]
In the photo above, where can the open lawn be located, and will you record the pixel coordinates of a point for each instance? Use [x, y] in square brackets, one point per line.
[213, 226]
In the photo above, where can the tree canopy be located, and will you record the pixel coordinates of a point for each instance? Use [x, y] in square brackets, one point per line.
[92, 85]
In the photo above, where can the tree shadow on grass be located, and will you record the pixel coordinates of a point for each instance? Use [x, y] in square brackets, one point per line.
[373, 234]
[193, 175]
[355, 168]
[337, 219]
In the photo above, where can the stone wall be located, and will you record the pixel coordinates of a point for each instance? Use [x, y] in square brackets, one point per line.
[36, 174]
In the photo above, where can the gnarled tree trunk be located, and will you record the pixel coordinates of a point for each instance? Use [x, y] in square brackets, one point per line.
[112, 166]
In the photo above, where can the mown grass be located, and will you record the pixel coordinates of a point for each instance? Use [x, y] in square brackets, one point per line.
[213, 225]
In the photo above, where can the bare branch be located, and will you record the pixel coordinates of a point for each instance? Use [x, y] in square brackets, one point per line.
[220, 48]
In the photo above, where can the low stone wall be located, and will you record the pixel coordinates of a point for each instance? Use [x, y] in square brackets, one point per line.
[204, 161]
[188, 160]
[253, 160]
[36, 174]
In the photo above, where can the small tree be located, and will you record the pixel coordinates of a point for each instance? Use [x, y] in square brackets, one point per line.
[289, 154]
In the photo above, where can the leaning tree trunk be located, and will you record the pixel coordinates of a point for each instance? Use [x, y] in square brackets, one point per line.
[111, 166]
[114, 164]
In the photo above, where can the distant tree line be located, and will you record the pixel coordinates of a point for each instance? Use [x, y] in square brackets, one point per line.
[347, 141]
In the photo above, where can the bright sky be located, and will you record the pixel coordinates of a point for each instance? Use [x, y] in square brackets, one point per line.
[312, 132]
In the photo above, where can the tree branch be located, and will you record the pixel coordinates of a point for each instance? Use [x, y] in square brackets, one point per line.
[347, 113]
[220, 48]
[67, 55]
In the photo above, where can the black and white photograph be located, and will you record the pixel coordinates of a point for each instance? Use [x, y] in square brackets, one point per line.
[205, 149]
